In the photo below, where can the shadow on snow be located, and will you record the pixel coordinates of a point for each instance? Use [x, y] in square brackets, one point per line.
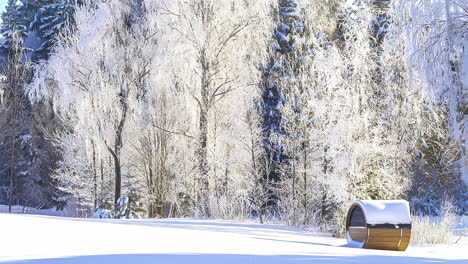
[234, 259]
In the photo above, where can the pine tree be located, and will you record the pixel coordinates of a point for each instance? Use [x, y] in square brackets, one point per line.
[39, 22]
[49, 20]
[11, 25]
[14, 110]
[272, 96]
[32, 28]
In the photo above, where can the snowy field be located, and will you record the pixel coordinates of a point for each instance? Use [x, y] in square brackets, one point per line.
[58, 240]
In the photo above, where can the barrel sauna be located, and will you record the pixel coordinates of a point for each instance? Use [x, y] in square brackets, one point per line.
[379, 224]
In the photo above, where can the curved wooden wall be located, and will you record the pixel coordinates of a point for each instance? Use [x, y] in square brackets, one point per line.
[388, 238]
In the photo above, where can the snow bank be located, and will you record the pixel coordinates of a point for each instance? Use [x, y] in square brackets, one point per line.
[386, 211]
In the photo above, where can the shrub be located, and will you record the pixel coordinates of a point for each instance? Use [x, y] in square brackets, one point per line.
[434, 230]
[337, 226]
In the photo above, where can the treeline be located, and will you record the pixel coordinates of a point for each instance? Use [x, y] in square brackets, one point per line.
[284, 110]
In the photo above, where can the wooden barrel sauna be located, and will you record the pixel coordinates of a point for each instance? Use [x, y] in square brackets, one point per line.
[379, 224]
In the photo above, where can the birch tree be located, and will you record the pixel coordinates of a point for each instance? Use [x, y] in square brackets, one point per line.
[98, 94]
[214, 48]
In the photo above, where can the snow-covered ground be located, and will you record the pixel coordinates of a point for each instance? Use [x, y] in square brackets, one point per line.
[59, 240]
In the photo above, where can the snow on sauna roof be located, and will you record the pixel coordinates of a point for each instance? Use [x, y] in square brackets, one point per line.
[385, 211]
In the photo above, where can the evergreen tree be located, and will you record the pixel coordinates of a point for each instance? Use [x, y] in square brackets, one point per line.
[10, 26]
[272, 96]
[49, 20]
[14, 110]
[39, 22]
[29, 30]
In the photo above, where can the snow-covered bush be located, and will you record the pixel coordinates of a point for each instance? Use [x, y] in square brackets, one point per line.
[104, 210]
[434, 230]
[102, 213]
[122, 210]
[225, 207]
[129, 207]
[337, 226]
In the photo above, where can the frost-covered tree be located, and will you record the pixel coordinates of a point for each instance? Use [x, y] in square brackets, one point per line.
[436, 38]
[39, 190]
[97, 95]
[286, 16]
[154, 151]
[258, 165]
[194, 108]
[214, 47]
[14, 110]
[163, 157]
[334, 118]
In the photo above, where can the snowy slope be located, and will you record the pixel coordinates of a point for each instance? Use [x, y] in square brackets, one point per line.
[57, 240]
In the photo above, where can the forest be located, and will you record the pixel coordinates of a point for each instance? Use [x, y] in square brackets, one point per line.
[274, 110]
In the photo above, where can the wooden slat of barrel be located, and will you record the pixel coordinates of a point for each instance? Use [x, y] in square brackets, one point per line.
[383, 239]
[358, 233]
[384, 235]
[388, 239]
[395, 240]
[381, 245]
[405, 240]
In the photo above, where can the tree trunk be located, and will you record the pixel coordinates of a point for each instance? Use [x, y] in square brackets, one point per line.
[10, 193]
[294, 191]
[203, 137]
[203, 161]
[95, 177]
[304, 175]
[11, 170]
[118, 176]
[323, 210]
[117, 169]
[152, 192]
[117, 148]
[101, 192]
[13, 155]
